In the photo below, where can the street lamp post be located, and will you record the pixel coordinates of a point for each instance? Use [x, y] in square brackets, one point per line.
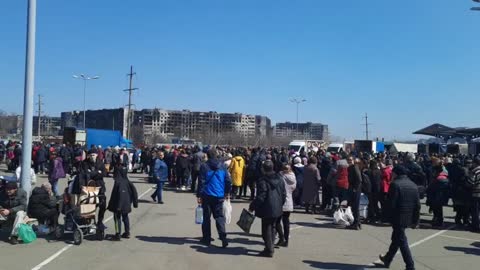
[85, 79]
[297, 101]
[28, 98]
[476, 8]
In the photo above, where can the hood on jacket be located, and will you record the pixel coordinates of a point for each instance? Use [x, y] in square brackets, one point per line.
[238, 158]
[214, 164]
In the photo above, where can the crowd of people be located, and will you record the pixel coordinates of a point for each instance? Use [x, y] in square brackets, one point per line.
[276, 181]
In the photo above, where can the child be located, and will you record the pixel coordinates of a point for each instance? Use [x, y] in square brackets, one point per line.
[123, 196]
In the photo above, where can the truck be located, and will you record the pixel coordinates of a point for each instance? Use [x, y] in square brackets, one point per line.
[306, 145]
[367, 146]
[91, 136]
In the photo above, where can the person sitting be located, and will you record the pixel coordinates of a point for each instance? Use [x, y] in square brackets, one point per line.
[13, 203]
[43, 206]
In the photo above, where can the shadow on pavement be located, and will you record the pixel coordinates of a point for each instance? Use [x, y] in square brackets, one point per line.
[169, 240]
[468, 251]
[317, 225]
[234, 251]
[335, 266]
[245, 234]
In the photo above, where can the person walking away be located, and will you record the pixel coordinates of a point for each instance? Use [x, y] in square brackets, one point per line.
[474, 181]
[13, 204]
[237, 169]
[56, 172]
[183, 170]
[461, 191]
[40, 159]
[311, 185]
[268, 204]
[403, 204]
[108, 161]
[160, 174]
[375, 176]
[214, 187]
[325, 168]
[124, 194]
[386, 181]
[197, 158]
[438, 193]
[66, 158]
[341, 183]
[290, 185]
[355, 185]
[43, 206]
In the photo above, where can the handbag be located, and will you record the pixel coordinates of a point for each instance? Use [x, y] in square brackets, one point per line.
[246, 221]
[26, 233]
[89, 194]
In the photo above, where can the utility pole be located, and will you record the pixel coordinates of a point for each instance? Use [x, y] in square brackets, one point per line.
[130, 90]
[39, 115]
[366, 125]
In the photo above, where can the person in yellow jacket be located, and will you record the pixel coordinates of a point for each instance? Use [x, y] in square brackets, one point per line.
[237, 173]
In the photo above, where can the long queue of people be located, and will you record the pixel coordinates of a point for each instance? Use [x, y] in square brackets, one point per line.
[277, 182]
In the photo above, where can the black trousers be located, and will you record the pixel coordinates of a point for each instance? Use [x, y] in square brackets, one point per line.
[118, 218]
[400, 241]
[102, 208]
[268, 233]
[50, 215]
[462, 214]
[355, 204]
[195, 175]
[326, 194]
[437, 215]
[475, 214]
[213, 206]
[373, 208]
[283, 233]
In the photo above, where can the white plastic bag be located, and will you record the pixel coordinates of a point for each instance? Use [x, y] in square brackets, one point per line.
[339, 218]
[349, 215]
[227, 211]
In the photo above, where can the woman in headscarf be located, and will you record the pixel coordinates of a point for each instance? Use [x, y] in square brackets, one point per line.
[124, 194]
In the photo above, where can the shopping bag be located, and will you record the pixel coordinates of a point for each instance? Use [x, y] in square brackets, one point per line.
[26, 233]
[246, 221]
[349, 215]
[339, 218]
[227, 211]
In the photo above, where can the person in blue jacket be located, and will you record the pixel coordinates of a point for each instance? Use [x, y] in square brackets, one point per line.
[160, 176]
[214, 186]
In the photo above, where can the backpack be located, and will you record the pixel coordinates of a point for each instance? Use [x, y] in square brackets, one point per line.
[366, 184]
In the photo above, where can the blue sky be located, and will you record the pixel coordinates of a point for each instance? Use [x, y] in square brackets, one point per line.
[407, 63]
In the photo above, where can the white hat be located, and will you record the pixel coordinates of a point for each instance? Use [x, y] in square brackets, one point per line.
[297, 160]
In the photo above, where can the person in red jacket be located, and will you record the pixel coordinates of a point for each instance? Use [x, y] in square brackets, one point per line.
[386, 181]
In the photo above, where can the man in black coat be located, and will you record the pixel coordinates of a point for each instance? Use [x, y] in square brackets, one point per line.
[403, 206]
[355, 186]
[268, 204]
[13, 203]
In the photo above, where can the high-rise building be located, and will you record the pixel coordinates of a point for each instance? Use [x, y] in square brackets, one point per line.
[312, 131]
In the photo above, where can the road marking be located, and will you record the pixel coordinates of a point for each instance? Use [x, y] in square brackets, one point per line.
[419, 242]
[460, 238]
[54, 256]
